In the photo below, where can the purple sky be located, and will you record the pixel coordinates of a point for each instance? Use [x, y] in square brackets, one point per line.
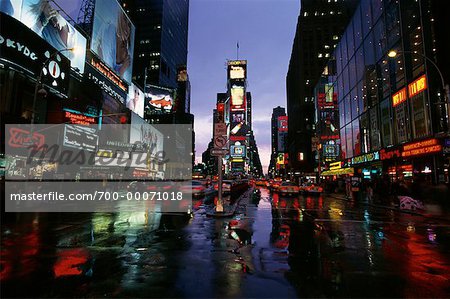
[265, 30]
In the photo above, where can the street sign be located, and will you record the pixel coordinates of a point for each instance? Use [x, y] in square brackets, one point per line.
[219, 152]
[220, 129]
[220, 142]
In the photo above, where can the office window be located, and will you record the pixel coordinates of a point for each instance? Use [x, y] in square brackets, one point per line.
[386, 123]
[366, 14]
[365, 133]
[349, 139]
[356, 138]
[357, 27]
[380, 39]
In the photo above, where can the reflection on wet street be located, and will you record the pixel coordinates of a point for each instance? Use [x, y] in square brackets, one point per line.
[272, 247]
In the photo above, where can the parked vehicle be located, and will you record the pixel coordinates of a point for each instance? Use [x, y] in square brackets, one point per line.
[274, 185]
[196, 189]
[313, 189]
[288, 188]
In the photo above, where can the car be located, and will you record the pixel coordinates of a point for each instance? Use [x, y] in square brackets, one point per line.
[196, 188]
[274, 185]
[261, 183]
[313, 189]
[288, 188]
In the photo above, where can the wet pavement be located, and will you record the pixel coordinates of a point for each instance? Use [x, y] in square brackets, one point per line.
[272, 247]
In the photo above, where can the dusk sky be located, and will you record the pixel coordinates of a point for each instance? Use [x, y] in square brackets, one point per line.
[265, 30]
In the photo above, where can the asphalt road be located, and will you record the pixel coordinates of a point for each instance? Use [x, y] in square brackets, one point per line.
[272, 247]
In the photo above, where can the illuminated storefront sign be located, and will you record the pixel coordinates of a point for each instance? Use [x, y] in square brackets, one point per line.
[414, 88]
[335, 165]
[417, 86]
[365, 158]
[399, 97]
[20, 138]
[421, 148]
[389, 154]
[78, 118]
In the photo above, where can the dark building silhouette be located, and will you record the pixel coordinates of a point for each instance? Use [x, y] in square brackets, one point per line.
[392, 108]
[319, 28]
[161, 40]
[277, 112]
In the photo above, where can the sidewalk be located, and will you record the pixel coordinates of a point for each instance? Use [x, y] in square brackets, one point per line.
[437, 205]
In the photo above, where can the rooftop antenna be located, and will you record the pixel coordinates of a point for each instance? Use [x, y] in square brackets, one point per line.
[237, 50]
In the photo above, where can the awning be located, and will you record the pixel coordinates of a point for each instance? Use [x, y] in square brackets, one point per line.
[348, 170]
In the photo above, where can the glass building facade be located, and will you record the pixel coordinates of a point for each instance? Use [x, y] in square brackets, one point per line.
[386, 102]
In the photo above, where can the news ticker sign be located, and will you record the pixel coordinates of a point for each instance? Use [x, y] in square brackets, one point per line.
[414, 88]
[428, 146]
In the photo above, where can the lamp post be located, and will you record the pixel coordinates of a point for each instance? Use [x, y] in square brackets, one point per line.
[393, 54]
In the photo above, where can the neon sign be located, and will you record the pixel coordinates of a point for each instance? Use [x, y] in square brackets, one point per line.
[399, 97]
[365, 158]
[421, 148]
[417, 86]
[79, 119]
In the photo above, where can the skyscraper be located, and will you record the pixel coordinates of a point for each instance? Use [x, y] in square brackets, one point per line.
[319, 28]
[277, 112]
[161, 39]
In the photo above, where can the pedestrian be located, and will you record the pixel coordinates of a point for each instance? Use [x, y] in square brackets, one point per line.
[369, 191]
[348, 187]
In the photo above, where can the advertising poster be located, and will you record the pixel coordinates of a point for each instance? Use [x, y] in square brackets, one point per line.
[158, 100]
[113, 37]
[143, 133]
[45, 20]
[135, 100]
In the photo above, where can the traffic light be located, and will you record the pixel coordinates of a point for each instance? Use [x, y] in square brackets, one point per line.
[123, 120]
[220, 112]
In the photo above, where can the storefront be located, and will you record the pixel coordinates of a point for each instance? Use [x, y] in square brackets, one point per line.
[367, 166]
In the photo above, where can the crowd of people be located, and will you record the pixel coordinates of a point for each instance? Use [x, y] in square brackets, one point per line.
[381, 189]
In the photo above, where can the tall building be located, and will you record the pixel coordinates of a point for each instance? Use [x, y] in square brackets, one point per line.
[277, 112]
[391, 65]
[319, 28]
[161, 41]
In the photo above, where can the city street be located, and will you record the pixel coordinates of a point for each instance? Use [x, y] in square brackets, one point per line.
[272, 247]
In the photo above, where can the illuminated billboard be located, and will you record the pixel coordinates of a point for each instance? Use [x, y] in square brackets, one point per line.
[135, 100]
[282, 124]
[113, 37]
[237, 150]
[237, 117]
[45, 20]
[158, 100]
[237, 69]
[237, 97]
